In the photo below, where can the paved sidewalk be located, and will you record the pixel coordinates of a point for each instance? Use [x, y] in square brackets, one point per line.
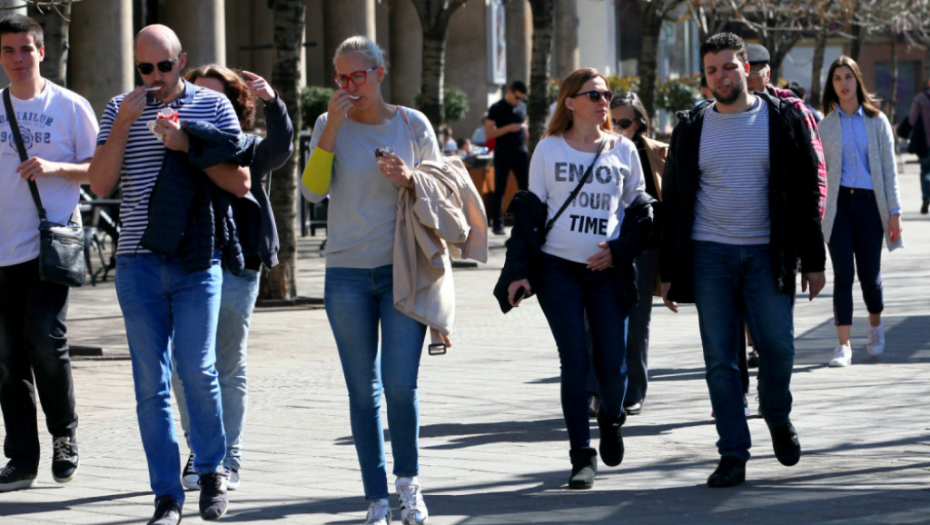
[493, 445]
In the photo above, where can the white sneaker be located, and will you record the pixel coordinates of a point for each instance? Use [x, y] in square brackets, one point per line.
[232, 478]
[412, 508]
[876, 344]
[379, 512]
[842, 356]
[190, 479]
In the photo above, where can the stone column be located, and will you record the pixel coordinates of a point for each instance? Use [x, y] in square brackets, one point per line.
[519, 40]
[566, 57]
[343, 19]
[4, 80]
[101, 59]
[405, 69]
[201, 26]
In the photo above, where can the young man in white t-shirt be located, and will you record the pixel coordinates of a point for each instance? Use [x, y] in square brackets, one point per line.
[58, 129]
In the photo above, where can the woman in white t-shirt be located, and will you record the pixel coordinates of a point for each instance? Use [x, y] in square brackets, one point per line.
[577, 277]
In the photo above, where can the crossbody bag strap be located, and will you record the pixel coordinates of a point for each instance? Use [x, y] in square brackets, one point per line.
[413, 133]
[577, 188]
[21, 148]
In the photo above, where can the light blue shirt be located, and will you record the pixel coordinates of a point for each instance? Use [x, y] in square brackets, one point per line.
[856, 173]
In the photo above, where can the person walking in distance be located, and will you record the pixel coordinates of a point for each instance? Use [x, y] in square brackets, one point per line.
[506, 124]
[920, 109]
[59, 127]
[737, 217]
[863, 202]
[170, 301]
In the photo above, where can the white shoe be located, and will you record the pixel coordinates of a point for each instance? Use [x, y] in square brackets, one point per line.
[412, 508]
[842, 356]
[190, 479]
[232, 478]
[379, 512]
[876, 344]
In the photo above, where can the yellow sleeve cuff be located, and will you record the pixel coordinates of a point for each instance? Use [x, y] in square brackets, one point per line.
[318, 172]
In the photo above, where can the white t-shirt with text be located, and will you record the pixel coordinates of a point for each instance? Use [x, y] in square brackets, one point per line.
[597, 211]
[57, 125]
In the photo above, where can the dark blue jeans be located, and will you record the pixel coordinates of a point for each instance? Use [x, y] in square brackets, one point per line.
[857, 232]
[33, 342]
[637, 339]
[925, 177]
[734, 283]
[567, 291]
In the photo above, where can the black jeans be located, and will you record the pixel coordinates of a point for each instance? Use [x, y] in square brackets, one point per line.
[32, 341]
[519, 163]
[857, 234]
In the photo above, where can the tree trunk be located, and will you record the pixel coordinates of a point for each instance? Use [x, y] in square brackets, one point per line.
[434, 21]
[648, 71]
[817, 69]
[537, 105]
[57, 29]
[893, 92]
[859, 34]
[288, 15]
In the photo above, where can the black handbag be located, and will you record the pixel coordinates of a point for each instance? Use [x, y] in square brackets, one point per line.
[61, 250]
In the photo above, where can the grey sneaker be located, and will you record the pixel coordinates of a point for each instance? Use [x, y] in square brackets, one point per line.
[190, 479]
[232, 478]
[65, 459]
[412, 508]
[167, 512]
[13, 477]
[379, 512]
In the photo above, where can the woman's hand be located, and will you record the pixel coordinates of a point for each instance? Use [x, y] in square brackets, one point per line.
[894, 227]
[516, 285]
[35, 167]
[394, 168]
[602, 259]
[259, 86]
[671, 305]
[339, 105]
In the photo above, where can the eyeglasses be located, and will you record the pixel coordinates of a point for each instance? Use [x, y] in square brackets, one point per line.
[595, 95]
[623, 123]
[519, 98]
[356, 77]
[165, 66]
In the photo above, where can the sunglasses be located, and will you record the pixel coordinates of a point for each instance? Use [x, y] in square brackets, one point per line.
[623, 123]
[356, 77]
[594, 95]
[165, 66]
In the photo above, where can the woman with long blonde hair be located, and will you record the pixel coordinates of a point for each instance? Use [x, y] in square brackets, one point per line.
[578, 276]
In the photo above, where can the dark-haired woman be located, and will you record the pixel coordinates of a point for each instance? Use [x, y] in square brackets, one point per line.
[258, 238]
[863, 204]
[628, 115]
[577, 274]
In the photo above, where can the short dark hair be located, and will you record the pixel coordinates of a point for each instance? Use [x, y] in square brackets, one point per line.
[628, 98]
[23, 24]
[797, 89]
[518, 85]
[722, 41]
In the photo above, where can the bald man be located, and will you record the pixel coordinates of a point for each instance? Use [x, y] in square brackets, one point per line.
[169, 298]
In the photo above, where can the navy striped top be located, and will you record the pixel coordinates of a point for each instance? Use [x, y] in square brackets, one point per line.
[144, 153]
[732, 204]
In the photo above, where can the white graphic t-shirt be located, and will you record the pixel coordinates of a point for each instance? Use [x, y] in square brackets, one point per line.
[597, 211]
[58, 125]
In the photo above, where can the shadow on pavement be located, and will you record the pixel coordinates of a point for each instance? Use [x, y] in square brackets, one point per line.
[907, 340]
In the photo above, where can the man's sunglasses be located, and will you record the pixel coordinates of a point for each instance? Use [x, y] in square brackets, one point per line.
[594, 95]
[356, 77]
[623, 123]
[165, 66]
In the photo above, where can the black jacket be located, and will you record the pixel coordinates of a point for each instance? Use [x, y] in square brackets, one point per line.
[526, 240]
[793, 199]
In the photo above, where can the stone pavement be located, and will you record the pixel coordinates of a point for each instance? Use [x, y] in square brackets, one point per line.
[493, 445]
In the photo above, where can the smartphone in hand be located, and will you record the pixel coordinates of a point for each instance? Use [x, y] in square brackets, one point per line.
[519, 296]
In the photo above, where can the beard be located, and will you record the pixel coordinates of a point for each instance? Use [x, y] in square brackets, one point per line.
[736, 91]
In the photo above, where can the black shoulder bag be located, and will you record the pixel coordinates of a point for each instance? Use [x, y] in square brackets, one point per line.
[61, 251]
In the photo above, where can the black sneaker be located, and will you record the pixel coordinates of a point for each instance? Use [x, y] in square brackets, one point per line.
[14, 477]
[786, 444]
[925, 207]
[731, 471]
[65, 459]
[611, 445]
[584, 468]
[753, 360]
[190, 479]
[213, 496]
[167, 512]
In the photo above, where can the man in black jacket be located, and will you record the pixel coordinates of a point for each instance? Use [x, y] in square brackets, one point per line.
[740, 193]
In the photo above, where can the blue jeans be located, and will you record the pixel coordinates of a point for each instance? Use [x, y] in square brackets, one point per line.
[637, 338]
[163, 305]
[925, 177]
[357, 301]
[857, 232]
[567, 291]
[232, 341]
[734, 283]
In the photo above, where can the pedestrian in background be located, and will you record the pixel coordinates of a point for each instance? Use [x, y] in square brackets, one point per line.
[863, 203]
[920, 109]
[581, 255]
[359, 285]
[506, 125]
[258, 236]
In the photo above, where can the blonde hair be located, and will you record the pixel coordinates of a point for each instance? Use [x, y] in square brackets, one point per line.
[363, 45]
[571, 85]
